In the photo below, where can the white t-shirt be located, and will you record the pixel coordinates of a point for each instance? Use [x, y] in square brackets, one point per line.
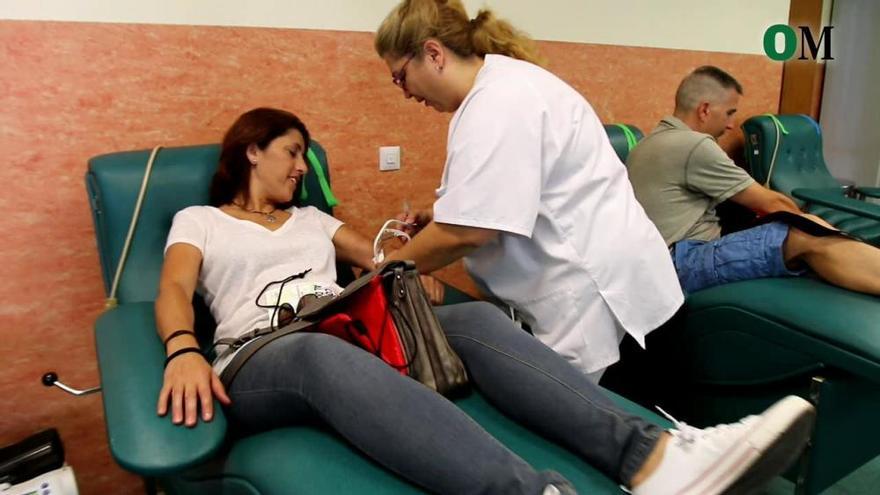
[577, 255]
[239, 258]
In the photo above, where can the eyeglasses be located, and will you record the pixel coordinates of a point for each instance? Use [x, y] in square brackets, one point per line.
[399, 77]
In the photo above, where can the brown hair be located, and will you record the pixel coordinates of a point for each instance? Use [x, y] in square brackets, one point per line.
[259, 126]
[704, 83]
[413, 22]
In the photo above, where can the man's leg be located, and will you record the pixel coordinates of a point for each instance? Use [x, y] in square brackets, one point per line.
[748, 254]
[844, 262]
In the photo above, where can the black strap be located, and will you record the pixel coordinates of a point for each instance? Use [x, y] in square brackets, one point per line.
[179, 352]
[178, 333]
[804, 224]
[246, 352]
[240, 341]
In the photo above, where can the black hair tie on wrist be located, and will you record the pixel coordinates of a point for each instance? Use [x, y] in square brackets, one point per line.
[178, 352]
[178, 333]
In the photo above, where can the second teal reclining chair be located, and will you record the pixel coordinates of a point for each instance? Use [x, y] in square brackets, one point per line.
[624, 138]
[207, 459]
[785, 153]
[734, 349]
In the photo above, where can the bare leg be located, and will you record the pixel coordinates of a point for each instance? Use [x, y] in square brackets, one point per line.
[849, 264]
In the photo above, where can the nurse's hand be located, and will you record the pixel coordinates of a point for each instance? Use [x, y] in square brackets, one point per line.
[433, 288]
[416, 220]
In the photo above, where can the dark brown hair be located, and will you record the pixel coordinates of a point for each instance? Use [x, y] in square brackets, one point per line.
[259, 126]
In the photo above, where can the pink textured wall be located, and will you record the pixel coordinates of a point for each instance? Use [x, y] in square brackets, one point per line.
[69, 91]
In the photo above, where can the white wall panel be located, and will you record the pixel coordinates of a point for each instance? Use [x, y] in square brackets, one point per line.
[711, 25]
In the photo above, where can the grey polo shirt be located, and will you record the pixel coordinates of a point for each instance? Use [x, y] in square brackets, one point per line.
[680, 176]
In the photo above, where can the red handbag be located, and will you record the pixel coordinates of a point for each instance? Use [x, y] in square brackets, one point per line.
[385, 312]
[366, 322]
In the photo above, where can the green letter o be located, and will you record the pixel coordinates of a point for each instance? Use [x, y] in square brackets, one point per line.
[789, 47]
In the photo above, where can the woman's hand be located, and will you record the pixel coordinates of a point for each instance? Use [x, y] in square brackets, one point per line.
[433, 288]
[189, 382]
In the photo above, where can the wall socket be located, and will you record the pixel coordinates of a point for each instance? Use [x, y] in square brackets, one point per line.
[389, 158]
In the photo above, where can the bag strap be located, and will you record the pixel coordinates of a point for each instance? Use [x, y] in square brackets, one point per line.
[249, 350]
[111, 301]
[237, 342]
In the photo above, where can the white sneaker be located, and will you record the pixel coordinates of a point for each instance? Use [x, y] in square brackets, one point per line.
[733, 458]
[551, 490]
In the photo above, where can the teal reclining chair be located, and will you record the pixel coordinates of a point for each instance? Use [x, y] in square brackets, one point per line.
[785, 153]
[207, 459]
[734, 349]
[624, 138]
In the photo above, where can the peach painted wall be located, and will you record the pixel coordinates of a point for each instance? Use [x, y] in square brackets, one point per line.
[69, 91]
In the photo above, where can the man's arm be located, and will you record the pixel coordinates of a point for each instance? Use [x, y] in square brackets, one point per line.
[439, 244]
[763, 201]
[710, 171]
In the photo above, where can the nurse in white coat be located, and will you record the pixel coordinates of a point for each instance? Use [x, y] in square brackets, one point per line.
[532, 195]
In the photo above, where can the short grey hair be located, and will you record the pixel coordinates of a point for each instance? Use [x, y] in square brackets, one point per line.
[705, 83]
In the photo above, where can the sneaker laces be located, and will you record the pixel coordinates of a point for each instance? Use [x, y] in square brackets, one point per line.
[687, 434]
[681, 431]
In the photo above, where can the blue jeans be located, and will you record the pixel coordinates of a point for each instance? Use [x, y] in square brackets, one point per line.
[407, 427]
[744, 255]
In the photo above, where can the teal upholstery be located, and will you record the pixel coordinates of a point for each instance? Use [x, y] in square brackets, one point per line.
[204, 459]
[871, 192]
[799, 171]
[806, 325]
[777, 334]
[624, 138]
[734, 349]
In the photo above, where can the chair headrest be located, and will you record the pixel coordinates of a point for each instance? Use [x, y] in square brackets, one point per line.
[799, 161]
[180, 178]
[624, 138]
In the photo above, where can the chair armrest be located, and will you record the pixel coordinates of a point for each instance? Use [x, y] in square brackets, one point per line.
[130, 360]
[871, 192]
[833, 198]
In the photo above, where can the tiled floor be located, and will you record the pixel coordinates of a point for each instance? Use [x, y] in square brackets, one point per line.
[864, 481]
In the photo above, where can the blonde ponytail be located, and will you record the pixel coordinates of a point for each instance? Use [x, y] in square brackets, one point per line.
[413, 22]
[492, 35]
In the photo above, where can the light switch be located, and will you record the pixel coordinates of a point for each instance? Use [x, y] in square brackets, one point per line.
[389, 158]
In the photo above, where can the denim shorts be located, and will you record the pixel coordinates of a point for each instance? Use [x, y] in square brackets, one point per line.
[743, 255]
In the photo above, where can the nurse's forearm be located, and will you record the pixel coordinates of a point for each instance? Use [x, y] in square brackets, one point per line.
[440, 244]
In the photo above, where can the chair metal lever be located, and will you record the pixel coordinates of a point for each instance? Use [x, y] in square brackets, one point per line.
[51, 378]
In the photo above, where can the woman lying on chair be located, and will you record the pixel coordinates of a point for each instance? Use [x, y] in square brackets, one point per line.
[251, 236]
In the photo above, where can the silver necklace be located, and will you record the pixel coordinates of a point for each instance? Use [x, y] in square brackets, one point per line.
[269, 216]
